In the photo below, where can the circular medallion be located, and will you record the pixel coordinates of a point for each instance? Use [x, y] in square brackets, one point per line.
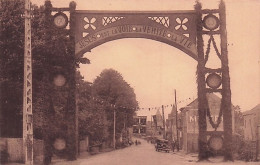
[215, 142]
[213, 80]
[211, 22]
[60, 20]
[59, 80]
[59, 144]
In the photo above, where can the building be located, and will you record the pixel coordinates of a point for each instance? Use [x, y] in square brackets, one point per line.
[158, 124]
[139, 126]
[154, 127]
[171, 125]
[158, 120]
[251, 123]
[251, 130]
[189, 122]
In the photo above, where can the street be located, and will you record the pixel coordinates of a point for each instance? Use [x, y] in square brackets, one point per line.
[143, 154]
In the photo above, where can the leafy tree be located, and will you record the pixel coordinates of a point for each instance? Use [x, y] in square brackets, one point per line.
[11, 63]
[91, 115]
[113, 89]
[11, 60]
[49, 48]
[239, 120]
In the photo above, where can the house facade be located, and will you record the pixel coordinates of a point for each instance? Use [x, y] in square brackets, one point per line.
[252, 124]
[171, 130]
[154, 127]
[189, 122]
[251, 130]
[139, 126]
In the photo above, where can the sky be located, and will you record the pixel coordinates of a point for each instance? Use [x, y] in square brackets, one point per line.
[155, 69]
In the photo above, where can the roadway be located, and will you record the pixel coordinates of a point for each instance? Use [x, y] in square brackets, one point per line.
[143, 154]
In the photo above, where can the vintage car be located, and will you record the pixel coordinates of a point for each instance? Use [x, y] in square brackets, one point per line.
[162, 145]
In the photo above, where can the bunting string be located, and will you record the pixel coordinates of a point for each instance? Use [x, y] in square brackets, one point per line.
[105, 103]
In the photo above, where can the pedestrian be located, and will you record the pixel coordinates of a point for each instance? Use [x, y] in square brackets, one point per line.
[136, 142]
[173, 146]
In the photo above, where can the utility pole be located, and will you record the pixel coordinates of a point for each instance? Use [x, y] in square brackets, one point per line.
[172, 120]
[151, 125]
[164, 133]
[124, 121]
[171, 128]
[114, 136]
[177, 132]
[257, 142]
[151, 121]
[125, 132]
[27, 90]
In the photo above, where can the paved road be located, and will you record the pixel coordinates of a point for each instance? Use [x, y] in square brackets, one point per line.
[143, 154]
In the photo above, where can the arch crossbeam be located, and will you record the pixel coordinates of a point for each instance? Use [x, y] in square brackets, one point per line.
[174, 28]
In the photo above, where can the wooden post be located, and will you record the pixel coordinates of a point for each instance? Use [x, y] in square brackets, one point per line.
[72, 139]
[114, 135]
[202, 100]
[176, 118]
[47, 146]
[27, 90]
[151, 121]
[164, 132]
[257, 141]
[226, 92]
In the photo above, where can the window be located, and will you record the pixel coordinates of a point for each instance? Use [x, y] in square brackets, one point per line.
[136, 121]
[135, 130]
[143, 121]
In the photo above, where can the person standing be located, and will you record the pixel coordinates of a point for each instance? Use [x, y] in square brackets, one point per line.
[173, 145]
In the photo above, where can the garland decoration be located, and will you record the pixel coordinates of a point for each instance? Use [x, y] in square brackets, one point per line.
[214, 125]
[207, 51]
[215, 46]
[211, 39]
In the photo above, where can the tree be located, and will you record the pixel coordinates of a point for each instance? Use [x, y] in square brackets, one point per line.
[48, 47]
[51, 47]
[12, 59]
[239, 120]
[91, 115]
[113, 89]
[11, 63]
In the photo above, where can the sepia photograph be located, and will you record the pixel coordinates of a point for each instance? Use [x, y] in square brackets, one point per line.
[129, 82]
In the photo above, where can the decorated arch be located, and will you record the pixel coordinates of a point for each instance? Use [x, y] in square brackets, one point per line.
[183, 30]
[93, 28]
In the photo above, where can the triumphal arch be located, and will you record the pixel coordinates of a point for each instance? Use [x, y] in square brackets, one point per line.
[192, 31]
